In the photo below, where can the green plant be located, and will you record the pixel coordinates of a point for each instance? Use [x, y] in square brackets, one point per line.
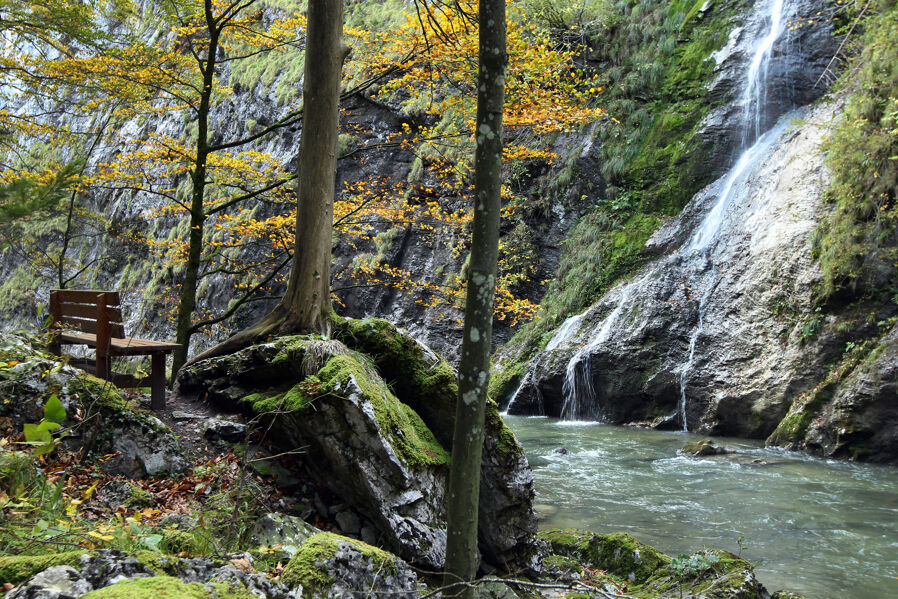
[694, 565]
[39, 434]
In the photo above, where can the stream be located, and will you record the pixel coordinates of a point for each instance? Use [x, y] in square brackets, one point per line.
[824, 528]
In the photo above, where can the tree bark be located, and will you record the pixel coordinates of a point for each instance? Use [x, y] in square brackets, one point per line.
[462, 557]
[187, 303]
[306, 305]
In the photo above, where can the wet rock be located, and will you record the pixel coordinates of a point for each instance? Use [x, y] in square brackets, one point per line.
[560, 451]
[57, 582]
[704, 447]
[225, 430]
[329, 565]
[288, 532]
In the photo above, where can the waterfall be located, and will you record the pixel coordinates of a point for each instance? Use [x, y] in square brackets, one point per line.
[753, 102]
[580, 398]
[754, 95]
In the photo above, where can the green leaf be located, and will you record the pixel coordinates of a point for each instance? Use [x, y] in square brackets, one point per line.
[35, 434]
[46, 425]
[42, 449]
[54, 411]
[151, 542]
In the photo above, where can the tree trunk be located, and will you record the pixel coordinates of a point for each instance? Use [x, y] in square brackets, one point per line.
[306, 305]
[184, 324]
[462, 557]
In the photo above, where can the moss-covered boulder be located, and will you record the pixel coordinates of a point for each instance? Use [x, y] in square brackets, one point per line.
[427, 383]
[109, 423]
[618, 553]
[706, 574]
[157, 587]
[360, 439]
[375, 409]
[328, 565]
[18, 568]
[705, 447]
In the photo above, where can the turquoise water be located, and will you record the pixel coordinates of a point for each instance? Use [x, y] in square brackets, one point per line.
[825, 528]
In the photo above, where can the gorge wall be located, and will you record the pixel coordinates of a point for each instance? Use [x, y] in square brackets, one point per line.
[724, 332]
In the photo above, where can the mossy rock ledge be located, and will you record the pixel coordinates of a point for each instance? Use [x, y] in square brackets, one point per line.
[648, 573]
[375, 410]
[109, 574]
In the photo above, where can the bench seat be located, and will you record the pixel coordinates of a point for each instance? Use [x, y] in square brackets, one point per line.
[127, 346]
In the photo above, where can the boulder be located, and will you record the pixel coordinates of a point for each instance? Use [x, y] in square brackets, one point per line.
[329, 565]
[57, 582]
[704, 447]
[281, 530]
[375, 410]
[706, 574]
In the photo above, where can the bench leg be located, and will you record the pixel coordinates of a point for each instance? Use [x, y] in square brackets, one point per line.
[157, 401]
[102, 368]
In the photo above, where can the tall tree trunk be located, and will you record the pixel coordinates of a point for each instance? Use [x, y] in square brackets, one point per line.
[306, 305]
[184, 323]
[474, 367]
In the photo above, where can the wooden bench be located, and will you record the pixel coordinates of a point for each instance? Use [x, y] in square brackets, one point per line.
[94, 318]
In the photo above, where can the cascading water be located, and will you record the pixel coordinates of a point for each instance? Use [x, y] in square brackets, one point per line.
[580, 400]
[753, 103]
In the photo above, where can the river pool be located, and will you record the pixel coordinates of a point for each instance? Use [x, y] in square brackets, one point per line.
[825, 528]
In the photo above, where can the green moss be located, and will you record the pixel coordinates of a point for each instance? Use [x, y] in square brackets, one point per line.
[423, 381]
[179, 541]
[16, 569]
[618, 553]
[308, 567]
[158, 587]
[504, 381]
[138, 498]
[157, 562]
[401, 425]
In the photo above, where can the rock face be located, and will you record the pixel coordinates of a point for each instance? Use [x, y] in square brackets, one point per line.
[376, 434]
[713, 324]
[797, 62]
[853, 413]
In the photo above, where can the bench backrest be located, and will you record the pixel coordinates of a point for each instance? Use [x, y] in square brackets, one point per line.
[88, 311]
